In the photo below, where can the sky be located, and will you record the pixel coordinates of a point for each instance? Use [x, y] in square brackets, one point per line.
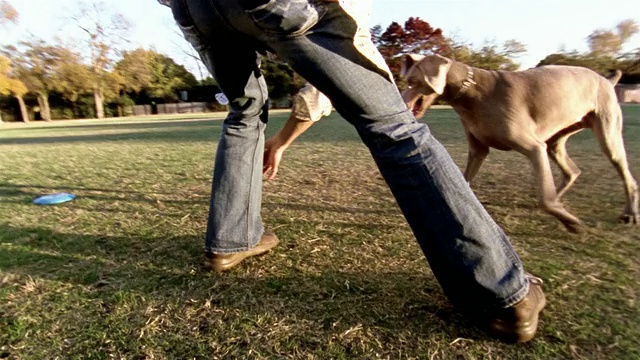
[544, 26]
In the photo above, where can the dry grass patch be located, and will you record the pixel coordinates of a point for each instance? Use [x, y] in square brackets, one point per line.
[115, 273]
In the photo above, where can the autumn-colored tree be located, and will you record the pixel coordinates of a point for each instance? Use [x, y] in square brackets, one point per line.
[13, 87]
[415, 37]
[104, 31]
[8, 14]
[5, 67]
[35, 64]
[18, 90]
[72, 78]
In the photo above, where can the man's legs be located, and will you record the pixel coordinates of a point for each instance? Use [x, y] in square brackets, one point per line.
[234, 223]
[469, 254]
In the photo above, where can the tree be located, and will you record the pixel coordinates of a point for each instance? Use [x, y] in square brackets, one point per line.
[630, 67]
[104, 32]
[168, 77]
[600, 64]
[156, 75]
[279, 77]
[5, 81]
[490, 56]
[415, 37]
[627, 29]
[610, 42]
[189, 52]
[18, 90]
[135, 68]
[208, 81]
[35, 64]
[72, 78]
[11, 86]
[606, 53]
[7, 13]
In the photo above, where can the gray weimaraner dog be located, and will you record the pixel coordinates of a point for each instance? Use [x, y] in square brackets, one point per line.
[533, 112]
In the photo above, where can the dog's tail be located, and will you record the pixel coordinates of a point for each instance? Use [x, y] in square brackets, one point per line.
[615, 77]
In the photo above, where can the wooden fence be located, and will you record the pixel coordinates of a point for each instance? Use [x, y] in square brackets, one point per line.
[172, 108]
[628, 93]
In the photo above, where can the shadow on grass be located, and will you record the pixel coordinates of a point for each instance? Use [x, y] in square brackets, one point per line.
[333, 129]
[9, 189]
[167, 271]
[17, 193]
[143, 125]
[202, 133]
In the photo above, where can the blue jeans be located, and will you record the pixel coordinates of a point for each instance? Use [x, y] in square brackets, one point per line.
[469, 254]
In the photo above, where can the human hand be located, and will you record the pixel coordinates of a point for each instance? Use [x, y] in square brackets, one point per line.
[273, 151]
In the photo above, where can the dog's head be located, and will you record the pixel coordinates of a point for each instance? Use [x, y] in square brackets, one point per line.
[426, 78]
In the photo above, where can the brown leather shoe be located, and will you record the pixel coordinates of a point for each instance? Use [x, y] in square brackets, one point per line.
[222, 262]
[519, 322]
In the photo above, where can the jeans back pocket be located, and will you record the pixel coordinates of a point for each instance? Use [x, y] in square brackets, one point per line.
[284, 17]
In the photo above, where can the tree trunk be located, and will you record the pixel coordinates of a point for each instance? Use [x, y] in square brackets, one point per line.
[98, 96]
[23, 109]
[45, 110]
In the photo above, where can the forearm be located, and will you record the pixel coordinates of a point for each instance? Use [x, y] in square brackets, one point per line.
[292, 129]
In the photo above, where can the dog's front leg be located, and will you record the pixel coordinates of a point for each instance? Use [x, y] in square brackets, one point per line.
[476, 155]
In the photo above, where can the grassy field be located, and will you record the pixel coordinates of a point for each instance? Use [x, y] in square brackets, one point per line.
[116, 273]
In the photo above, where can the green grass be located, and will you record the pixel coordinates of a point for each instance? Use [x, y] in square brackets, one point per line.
[116, 273]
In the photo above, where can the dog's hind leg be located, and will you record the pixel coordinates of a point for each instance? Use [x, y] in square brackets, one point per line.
[607, 127]
[557, 151]
[477, 153]
[536, 151]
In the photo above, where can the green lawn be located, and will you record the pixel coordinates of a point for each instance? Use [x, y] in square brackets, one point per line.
[116, 273]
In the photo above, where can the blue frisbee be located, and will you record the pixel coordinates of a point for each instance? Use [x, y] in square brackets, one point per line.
[53, 199]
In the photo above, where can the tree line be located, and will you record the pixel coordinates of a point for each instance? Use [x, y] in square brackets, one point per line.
[98, 79]
[605, 52]
[92, 80]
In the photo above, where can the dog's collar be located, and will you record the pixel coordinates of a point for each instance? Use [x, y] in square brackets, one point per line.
[466, 84]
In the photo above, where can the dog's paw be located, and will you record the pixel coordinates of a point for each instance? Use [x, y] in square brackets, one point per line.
[632, 219]
[574, 228]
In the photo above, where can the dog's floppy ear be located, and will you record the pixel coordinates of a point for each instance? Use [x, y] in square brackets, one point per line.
[408, 61]
[435, 69]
